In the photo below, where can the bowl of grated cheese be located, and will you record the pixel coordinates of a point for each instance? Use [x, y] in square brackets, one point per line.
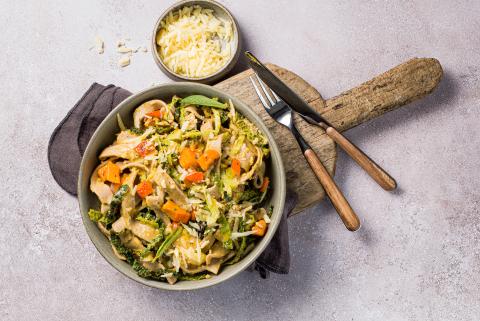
[196, 41]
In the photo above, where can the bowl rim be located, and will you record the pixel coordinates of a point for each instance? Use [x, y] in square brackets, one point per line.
[219, 73]
[277, 165]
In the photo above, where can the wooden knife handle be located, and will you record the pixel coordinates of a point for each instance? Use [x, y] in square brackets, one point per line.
[375, 171]
[344, 210]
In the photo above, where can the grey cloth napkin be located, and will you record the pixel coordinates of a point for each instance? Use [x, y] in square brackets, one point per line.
[71, 136]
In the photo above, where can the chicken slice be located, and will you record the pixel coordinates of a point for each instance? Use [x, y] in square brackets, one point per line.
[101, 189]
[145, 108]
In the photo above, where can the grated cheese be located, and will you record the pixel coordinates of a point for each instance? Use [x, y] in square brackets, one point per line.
[190, 231]
[124, 61]
[193, 42]
[266, 218]
[236, 235]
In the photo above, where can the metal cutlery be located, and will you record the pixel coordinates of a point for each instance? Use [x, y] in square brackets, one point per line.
[281, 112]
[313, 117]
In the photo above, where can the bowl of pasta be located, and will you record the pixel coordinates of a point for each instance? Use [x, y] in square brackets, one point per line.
[181, 187]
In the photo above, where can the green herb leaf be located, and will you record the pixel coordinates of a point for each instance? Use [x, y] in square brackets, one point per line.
[155, 243]
[251, 195]
[202, 101]
[167, 243]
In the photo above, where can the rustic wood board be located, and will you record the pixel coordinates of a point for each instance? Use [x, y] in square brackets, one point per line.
[403, 84]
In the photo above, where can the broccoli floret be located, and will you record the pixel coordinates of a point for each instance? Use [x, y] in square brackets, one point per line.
[228, 245]
[95, 215]
[163, 129]
[136, 131]
[251, 195]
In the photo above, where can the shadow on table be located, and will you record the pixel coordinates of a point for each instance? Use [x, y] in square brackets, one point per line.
[242, 63]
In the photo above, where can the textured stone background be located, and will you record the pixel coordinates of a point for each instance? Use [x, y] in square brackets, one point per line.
[418, 254]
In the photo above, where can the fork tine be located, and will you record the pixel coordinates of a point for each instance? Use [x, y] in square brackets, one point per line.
[265, 90]
[276, 96]
[260, 96]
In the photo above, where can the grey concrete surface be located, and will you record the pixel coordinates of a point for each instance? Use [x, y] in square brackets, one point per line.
[418, 254]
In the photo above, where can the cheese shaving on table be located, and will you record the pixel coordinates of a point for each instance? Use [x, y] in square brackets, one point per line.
[124, 61]
[193, 42]
[99, 44]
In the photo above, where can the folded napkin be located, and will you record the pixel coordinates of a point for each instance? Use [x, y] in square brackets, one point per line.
[71, 136]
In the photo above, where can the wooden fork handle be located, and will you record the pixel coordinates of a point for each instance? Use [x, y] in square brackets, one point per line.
[376, 172]
[344, 209]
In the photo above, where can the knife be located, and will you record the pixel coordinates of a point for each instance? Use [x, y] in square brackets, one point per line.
[313, 117]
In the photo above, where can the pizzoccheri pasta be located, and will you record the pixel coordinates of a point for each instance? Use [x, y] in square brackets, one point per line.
[181, 192]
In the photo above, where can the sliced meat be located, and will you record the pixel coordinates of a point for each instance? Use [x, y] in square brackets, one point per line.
[145, 108]
[175, 193]
[101, 189]
[123, 147]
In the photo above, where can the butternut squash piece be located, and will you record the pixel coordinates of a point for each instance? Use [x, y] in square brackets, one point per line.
[259, 228]
[110, 172]
[265, 183]
[187, 158]
[236, 169]
[208, 158]
[144, 189]
[175, 212]
[194, 177]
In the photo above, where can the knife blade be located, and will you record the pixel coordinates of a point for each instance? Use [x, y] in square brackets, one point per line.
[286, 93]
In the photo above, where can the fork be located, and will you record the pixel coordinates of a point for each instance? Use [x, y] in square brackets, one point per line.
[281, 112]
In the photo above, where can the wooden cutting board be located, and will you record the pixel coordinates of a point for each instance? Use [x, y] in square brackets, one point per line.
[399, 86]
